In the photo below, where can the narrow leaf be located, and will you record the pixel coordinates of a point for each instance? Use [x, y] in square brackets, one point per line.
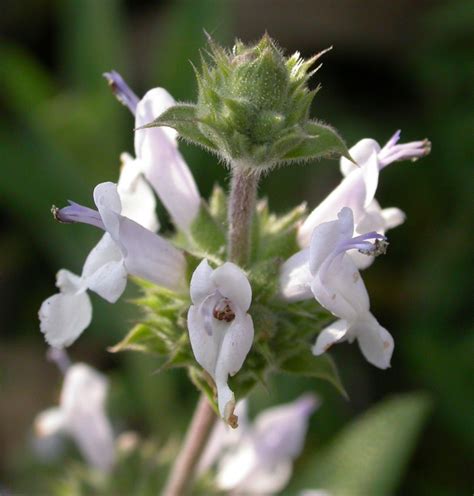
[370, 455]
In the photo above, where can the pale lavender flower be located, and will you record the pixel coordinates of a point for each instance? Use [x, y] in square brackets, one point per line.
[220, 329]
[261, 461]
[357, 190]
[81, 415]
[157, 154]
[327, 272]
[126, 248]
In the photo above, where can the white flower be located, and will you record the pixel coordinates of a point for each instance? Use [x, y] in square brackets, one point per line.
[157, 154]
[330, 274]
[261, 462]
[137, 197]
[220, 330]
[357, 190]
[81, 415]
[125, 248]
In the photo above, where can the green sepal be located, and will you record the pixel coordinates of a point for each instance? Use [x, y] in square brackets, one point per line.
[182, 117]
[200, 379]
[206, 232]
[304, 363]
[319, 140]
[264, 279]
[278, 233]
[143, 337]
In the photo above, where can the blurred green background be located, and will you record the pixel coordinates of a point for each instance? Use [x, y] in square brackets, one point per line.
[395, 64]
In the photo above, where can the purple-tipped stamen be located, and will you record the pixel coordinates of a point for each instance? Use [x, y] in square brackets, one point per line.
[78, 213]
[392, 152]
[361, 243]
[122, 91]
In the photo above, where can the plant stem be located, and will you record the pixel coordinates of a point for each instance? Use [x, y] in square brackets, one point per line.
[182, 473]
[241, 206]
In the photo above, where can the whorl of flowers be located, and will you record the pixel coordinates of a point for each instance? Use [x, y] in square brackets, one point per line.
[232, 314]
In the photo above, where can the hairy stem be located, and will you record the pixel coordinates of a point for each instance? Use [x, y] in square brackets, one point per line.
[241, 206]
[182, 473]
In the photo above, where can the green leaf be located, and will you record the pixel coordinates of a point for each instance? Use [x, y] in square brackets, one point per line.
[182, 117]
[321, 141]
[370, 455]
[304, 363]
[207, 233]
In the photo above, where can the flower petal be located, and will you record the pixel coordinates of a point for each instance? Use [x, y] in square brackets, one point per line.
[280, 432]
[108, 203]
[161, 162]
[370, 173]
[267, 479]
[342, 290]
[151, 106]
[327, 236]
[393, 217]
[236, 344]
[295, 277]
[149, 256]
[63, 317]
[201, 285]
[49, 422]
[82, 401]
[232, 283]
[104, 271]
[330, 335]
[375, 342]
[137, 197]
[205, 347]
[360, 152]
[69, 283]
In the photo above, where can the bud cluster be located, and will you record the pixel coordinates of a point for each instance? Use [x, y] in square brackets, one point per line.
[253, 108]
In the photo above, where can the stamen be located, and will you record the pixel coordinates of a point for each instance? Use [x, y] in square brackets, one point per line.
[361, 243]
[393, 152]
[379, 247]
[223, 311]
[122, 91]
[78, 213]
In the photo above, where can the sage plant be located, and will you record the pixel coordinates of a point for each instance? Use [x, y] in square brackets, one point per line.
[235, 292]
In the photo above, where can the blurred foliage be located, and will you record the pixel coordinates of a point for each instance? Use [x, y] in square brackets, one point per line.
[370, 455]
[61, 133]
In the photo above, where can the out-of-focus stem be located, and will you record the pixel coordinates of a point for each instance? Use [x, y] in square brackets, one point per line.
[182, 473]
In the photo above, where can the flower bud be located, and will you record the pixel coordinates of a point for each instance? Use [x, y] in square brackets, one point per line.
[253, 108]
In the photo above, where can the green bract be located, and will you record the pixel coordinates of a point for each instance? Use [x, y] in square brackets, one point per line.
[283, 332]
[253, 108]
